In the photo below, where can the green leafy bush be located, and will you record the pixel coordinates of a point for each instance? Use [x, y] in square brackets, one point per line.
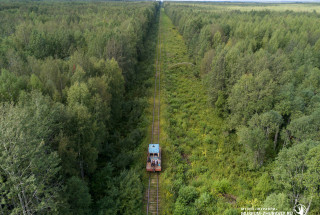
[222, 186]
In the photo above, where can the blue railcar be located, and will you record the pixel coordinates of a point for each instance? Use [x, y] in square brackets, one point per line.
[154, 158]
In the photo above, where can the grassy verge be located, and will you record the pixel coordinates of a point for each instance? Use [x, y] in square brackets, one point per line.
[204, 172]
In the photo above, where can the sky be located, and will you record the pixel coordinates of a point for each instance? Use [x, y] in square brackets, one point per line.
[271, 1]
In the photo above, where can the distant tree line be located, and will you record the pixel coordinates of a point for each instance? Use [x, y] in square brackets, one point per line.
[262, 73]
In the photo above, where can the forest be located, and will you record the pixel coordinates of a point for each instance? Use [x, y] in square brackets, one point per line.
[72, 99]
[239, 118]
[261, 75]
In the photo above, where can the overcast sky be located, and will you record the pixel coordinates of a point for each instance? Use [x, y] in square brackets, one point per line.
[284, 1]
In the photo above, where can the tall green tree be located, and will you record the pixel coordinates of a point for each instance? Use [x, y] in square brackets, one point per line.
[306, 127]
[83, 127]
[250, 95]
[10, 86]
[255, 144]
[279, 201]
[28, 167]
[313, 175]
[270, 123]
[78, 196]
[291, 172]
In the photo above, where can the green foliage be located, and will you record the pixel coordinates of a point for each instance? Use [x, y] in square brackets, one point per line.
[291, 171]
[35, 83]
[205, 204]
[131, 192]
[74, 76]
[264, 185]
[78, 94]
[10, 86]
[306, 127]
[220, 104]
[222, 186]
[193, 143]
[251, 95]
[278, 201]
[313, 176]
[78, 196]
[187, 194]
[181, 208]
[29, 168]
[73, 87]
[78, 75]
[231, 212]
[261, 73]
[255, 143]
[105, 191]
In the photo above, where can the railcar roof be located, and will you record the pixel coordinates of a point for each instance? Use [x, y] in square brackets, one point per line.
[153, 148]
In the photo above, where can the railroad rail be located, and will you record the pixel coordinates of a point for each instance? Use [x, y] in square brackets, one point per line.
[153, 186]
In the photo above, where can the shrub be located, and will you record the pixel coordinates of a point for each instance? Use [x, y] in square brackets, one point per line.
[222, 186]
[231, 211]
[187, 194]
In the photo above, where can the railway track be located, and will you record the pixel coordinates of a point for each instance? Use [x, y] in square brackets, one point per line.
[153, 185]
[153, 194]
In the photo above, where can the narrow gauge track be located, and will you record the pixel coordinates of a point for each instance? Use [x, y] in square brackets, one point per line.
[153, 186]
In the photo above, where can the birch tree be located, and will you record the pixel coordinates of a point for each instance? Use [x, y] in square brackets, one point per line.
[28, 168]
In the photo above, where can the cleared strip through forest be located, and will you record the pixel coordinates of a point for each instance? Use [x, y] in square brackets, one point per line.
[189, 126]
[153, 185]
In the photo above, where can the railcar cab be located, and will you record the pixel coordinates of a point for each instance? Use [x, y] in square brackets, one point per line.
[154, 158]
